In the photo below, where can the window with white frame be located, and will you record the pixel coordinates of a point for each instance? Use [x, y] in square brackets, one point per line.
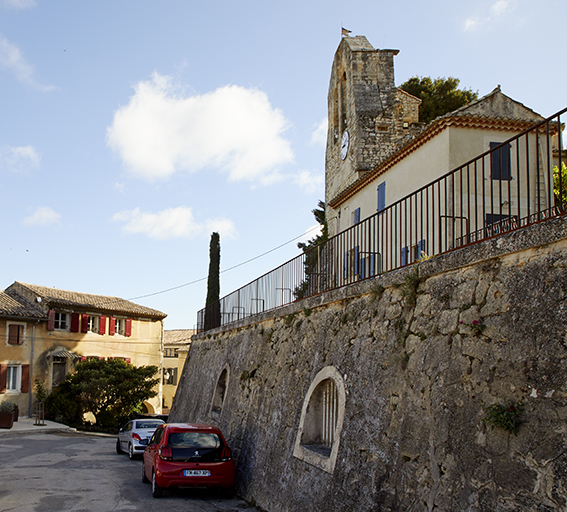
[92, 325]
[60, 321]
[119, 325]
[170, 352]
[170, 376]
[13, 378]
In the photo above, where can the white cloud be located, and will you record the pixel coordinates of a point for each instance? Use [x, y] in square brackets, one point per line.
[18, 158]
[310, 232]
[43, 216]
[498, 11]
[319, 133]
[171, 223]
[310, 182]
[163, 131]
[11, 59]
[18, 4]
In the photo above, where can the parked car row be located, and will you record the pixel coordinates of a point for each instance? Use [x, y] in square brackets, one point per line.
[178, 454]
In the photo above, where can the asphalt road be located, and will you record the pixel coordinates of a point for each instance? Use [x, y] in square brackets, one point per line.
[55, 472]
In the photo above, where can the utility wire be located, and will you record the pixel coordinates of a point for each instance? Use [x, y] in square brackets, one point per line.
[227, 269]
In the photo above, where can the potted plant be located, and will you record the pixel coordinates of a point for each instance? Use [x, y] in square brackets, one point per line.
[7, 414]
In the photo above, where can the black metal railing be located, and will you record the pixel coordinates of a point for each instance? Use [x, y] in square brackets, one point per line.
[514, 184]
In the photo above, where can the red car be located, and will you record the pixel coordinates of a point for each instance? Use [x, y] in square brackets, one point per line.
[187, 455]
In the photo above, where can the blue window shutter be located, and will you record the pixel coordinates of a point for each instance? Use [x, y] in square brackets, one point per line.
[356, 260]
[357, 216]
[372, 265]
[363, 268]
[382, 196]
[421, 246]
[404, 256]
[500, 161]
[346, 265]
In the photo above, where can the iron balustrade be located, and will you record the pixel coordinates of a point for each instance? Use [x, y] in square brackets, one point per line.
[512, 185]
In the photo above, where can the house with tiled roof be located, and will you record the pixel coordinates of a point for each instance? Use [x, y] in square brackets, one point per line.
[46, 331]
[176, 343]
[379, 153]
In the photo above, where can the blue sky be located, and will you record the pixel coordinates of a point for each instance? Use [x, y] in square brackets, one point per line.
[132, 129]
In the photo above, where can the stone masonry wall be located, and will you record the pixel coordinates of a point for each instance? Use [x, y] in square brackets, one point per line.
[422, 352]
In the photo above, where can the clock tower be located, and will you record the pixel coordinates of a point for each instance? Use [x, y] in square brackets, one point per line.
[366, 122]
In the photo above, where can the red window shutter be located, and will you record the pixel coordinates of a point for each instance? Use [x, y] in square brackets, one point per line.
[74, 322]
[85, 323]
[3, 377]
[51, 320]
[111, 326]
[102, 325]
[128, 329]
[25, 378]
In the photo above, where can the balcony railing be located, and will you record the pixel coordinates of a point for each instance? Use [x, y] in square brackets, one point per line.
[513, 185]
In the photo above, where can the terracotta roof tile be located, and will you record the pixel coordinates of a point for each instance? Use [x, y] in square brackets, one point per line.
[15, 306]
[86, 301]
[178, 336]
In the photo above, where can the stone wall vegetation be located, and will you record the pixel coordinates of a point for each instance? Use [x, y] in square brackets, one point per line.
[432, 358]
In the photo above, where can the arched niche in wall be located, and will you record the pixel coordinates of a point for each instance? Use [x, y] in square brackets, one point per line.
[220, 393]
[321, 423]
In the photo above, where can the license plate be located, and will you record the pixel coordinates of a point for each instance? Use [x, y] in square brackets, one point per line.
[196, 472]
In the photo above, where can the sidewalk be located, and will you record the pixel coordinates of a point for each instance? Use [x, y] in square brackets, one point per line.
[27, 426]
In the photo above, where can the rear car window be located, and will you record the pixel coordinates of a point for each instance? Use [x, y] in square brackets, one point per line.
[201, 440]
[148, 424]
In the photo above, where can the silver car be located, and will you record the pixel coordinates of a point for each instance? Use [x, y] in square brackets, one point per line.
[130, 435]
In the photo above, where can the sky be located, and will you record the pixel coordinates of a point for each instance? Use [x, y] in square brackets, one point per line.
[130, 130]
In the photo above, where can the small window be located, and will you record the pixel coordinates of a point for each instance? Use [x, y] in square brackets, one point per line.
[119, 326]
[170, 376]
[351, 263]
[500, 161]
[14, 378]
[15, 334]
[93, 324]
[170, 352]
[60, 321]
[414, 253]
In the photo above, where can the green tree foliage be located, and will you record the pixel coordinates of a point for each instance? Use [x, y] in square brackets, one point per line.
[212, 304]
[312, 257]
[112, 390]
[560, 185]
[437, 96]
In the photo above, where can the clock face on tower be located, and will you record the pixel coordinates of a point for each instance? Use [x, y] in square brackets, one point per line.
[344, 144]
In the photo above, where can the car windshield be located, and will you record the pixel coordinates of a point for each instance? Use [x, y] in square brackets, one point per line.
[201, 440]
[148, 424]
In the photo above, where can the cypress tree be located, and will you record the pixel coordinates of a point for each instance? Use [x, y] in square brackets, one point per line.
[212, 304]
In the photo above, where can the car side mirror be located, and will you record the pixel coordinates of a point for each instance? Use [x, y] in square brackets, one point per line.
[144, 442]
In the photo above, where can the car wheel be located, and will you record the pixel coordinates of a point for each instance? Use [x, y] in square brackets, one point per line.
[157, 491]
[118, 447]
[144, 477]
[131, 453]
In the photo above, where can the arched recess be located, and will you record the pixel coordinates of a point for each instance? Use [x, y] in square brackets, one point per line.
[321, 423]
[220, 393]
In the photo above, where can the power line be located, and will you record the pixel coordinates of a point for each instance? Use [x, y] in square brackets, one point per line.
[227, 269]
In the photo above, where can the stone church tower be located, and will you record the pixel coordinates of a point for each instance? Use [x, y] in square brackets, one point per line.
[369, 118]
